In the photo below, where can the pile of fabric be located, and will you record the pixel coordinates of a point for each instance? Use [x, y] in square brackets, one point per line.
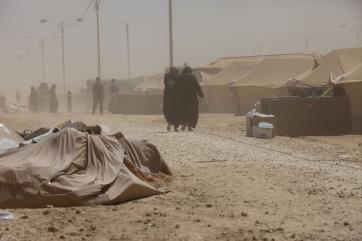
[70, 167]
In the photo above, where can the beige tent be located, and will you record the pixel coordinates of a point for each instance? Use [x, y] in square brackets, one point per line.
[352, 82]
[72, 168]
[219, 97]
[338, 62]
[268, 77]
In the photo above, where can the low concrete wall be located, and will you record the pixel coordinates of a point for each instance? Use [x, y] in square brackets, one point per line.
[309, 116]
[137, 104]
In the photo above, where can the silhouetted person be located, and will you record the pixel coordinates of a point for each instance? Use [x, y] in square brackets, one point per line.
[170, 99]
[18, 96]
[53, 101]
[33, 100]
[113, 89]
[98, 96]
[189, 90]
[70, 101]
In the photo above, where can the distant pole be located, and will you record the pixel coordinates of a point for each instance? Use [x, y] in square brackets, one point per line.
[170, 32]
[21, 69]
[98, 39]
[29, 66]
[358, 36]
[128, 52]
[63, 56]
[43, 59]
[306, 43]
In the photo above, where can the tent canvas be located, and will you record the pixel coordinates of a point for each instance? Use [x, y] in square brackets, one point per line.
[72, 168]
[267, 78]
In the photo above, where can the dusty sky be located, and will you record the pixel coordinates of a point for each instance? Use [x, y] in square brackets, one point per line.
[203, 31]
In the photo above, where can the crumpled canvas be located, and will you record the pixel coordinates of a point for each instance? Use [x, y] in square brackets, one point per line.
[73, 168]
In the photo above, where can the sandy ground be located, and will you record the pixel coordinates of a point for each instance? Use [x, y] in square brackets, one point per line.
[225, 187]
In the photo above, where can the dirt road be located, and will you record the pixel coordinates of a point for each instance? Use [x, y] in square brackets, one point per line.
[225, 187]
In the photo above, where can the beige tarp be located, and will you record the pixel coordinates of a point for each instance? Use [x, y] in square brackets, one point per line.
[9, 138]
[267, 78]
[72, 168]
[275, 72]
[338, 62]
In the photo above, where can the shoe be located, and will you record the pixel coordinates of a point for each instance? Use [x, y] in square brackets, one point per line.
[183, 127]
[190, 129]
[168, 127]
[175, 129]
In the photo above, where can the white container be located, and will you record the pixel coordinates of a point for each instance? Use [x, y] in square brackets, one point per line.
[263, 133]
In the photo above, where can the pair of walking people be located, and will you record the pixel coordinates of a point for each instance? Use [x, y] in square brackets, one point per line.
[180, 99]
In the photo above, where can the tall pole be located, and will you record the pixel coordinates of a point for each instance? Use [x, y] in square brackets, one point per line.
[128, 52]
[170, 32]
[29, 66]
[306, 43]
[98, 39]
[63, 56]
[43, 60]
[21, 69]
[358, 36]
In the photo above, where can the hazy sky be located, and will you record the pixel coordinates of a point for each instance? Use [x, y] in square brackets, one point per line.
[203, 31]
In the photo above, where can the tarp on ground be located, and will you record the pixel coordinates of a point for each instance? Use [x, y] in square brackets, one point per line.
[9, 138]
[338, 62]
[72, 168]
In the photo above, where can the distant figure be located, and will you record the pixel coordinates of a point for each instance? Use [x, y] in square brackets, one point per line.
[98, 96]
[70, 101]
[33, 100]
[170, 99]
[113, 89]
[53, 101]
[18, 96]
[189, 107]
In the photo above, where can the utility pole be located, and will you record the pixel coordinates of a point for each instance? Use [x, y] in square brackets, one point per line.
[43, 60]
[358, 36]
[98, 39]
[128, 52]
[63, 56]
[29, 66]
[306, 43]
[21, 70]
[170, 32]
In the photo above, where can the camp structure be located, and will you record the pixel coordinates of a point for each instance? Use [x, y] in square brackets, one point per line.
[74, 168]
[337, 62]
[352, 84]
[219, 97]
[268, 78]
[346, 65]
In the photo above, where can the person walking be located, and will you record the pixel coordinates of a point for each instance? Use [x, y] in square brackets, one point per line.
[189, 90]
[98, 96]
[53, 101]
[113, 89]
[70, 101]
[33, 100]
[170, 99]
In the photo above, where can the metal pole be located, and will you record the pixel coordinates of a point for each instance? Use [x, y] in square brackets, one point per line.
[128, 53]
[98, 39]
[358, 36]
[43, 60]
[170, 32]
[63, 56]
[29, 66]
[306, 42]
